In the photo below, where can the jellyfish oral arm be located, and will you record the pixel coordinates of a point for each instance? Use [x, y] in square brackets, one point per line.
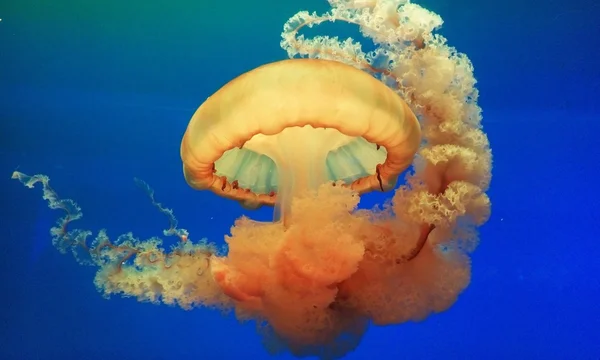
[131, 267]
[300, 164]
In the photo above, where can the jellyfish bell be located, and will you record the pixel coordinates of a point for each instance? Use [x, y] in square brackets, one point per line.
[283, 129]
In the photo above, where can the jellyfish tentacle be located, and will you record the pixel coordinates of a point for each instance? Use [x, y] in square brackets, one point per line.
[173, 229]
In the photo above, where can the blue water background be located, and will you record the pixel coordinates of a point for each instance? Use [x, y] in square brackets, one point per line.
[95, 93]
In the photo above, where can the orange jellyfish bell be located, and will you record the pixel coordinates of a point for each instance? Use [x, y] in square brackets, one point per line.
[289, 126]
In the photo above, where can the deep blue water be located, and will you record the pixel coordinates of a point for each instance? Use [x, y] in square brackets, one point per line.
[97, 93]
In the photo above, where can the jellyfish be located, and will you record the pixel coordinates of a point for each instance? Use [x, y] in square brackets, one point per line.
[309, 136]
